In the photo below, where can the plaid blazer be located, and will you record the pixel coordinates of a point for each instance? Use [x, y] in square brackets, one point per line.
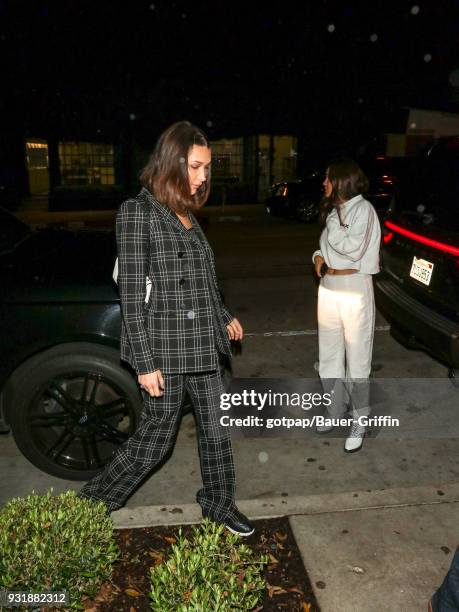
[184, 321]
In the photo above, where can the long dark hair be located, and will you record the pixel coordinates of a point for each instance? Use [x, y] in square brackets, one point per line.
[166, 173]
[347, 179]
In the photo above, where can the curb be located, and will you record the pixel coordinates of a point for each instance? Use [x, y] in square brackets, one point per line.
[149, 516]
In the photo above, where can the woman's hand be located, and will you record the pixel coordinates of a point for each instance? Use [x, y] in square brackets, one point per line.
[235, 331]
[153, 383]
[318, 261]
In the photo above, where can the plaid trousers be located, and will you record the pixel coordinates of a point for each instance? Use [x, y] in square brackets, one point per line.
[156, 434]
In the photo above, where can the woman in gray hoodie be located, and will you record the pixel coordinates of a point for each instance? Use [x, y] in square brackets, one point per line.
[347, 259]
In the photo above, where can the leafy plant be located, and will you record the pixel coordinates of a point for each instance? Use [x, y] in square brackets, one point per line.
[56, 543]
[212, 571]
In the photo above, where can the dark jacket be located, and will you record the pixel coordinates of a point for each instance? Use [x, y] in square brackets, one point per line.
[183, 324]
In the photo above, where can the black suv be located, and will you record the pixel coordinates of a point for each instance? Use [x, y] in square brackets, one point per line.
[418, 289]
[63, 391]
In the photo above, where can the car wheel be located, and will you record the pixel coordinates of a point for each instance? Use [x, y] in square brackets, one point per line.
[72, 407]
[453, 374]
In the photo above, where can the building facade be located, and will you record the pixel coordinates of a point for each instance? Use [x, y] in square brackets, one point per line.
[243, 169]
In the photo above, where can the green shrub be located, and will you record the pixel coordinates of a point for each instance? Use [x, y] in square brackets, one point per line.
[58, 543]
[213, 571]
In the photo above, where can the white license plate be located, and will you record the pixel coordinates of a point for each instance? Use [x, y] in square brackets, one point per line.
[421, 270]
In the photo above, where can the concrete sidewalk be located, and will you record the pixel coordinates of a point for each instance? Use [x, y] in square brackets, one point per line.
[376, 529]
[364, 551]
[39, 216]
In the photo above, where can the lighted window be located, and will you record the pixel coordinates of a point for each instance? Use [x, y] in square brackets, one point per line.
[86, 163]
[37, 155]
[227, 159]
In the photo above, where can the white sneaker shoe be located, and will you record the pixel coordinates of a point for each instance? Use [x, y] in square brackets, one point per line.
[354, 441]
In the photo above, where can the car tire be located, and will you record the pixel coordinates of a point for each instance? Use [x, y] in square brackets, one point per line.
[72, 406]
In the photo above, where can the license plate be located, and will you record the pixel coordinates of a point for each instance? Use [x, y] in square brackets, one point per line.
[421, 270]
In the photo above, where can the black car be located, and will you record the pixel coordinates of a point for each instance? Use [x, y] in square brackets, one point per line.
[418, 288]
[64, 393]
[296, 199]
[300, 199]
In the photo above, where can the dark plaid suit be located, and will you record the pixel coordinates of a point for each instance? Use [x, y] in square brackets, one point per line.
[180, 331]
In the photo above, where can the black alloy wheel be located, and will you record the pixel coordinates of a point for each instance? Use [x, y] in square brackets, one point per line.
[73, 410]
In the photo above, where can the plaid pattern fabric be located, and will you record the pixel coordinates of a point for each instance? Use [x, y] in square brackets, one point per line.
[175, 330]
[155, 436]
[220, 314]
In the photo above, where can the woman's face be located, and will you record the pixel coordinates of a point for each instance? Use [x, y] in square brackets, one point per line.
[328, 187]
[199, 158]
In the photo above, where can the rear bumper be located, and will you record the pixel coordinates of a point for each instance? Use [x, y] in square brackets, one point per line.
[419, 324]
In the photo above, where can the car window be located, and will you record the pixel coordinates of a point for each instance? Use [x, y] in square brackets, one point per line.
[430, 191]
[280, 190]
[295, 189]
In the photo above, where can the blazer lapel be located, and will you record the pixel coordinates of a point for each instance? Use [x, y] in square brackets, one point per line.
[170, 217]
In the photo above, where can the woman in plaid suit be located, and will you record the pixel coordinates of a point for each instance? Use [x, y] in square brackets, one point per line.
[173, 339]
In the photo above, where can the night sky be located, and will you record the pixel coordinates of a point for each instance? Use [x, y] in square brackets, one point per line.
[325, 70]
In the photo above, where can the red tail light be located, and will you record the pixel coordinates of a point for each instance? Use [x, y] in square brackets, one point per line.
[435, 244]
[388, 237]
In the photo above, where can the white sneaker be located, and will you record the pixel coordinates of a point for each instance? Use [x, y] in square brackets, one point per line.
[354, 441]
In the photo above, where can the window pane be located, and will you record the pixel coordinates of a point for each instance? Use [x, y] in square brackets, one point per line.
[85, 163]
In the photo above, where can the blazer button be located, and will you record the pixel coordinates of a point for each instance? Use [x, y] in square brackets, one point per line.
[185, 267]
[190, 314]
[182, 281]
[180, 254]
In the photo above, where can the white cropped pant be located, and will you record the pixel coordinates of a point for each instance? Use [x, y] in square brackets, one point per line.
[346, 318]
